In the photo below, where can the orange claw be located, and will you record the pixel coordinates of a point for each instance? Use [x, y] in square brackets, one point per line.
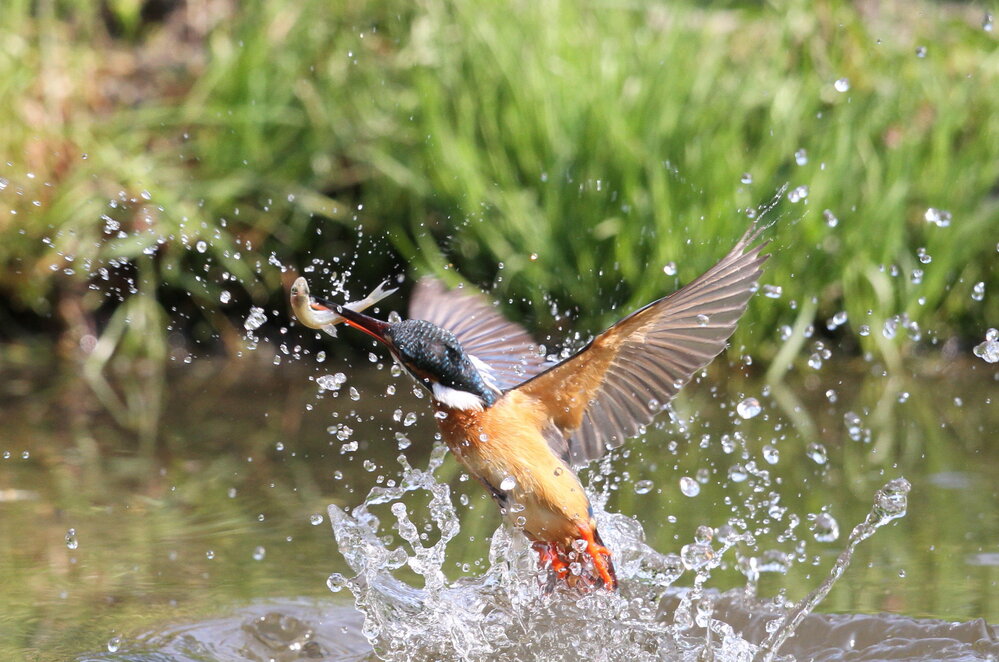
[551, 556]
[600, 555]
[548, 553]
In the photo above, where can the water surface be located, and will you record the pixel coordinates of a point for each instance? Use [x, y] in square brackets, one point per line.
[227, 506]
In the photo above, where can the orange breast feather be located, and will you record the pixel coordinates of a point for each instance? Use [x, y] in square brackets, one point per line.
[505, 442]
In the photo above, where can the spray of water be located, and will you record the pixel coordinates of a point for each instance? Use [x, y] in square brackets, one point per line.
[512, 612]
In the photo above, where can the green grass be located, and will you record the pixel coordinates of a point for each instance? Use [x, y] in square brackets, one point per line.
[564, 152]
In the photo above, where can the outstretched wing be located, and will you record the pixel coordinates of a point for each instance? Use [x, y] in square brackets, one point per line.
[505, 348]
[626, 375]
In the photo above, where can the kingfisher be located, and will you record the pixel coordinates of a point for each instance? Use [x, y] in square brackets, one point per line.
[522, 426]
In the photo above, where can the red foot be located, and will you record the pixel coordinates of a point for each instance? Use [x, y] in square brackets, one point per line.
[600, 555]
[550, 555]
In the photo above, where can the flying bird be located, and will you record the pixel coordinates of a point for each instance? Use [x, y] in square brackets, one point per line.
[520, 425]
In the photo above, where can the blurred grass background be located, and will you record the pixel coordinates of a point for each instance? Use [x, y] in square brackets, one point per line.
[161, 158]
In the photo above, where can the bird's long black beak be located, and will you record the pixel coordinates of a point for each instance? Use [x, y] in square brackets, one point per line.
[369, 325]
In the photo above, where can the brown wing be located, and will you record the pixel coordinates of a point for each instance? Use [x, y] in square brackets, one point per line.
[617, 384]
[503, 346]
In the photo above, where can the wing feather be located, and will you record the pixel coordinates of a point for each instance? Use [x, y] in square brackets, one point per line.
[622, 379]
[503, 346]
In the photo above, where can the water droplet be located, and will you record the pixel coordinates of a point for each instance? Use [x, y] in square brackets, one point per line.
[830, 217]
[702, 320]
[842, 84]
[978, 291]
[853, 425]
[328, 382]
[921, 51]
[987, 22]
[801, 157]
[749, 408]
[644, 486]
[72, 542]
[737, 473]
[402, 441]
[259, 553]
[336, 582]
[114, 644]
[892, 500]
[864, 330]
[837, 320]
[938, 217]
[771, 454]
[689, 487]
[409, 419]
[797, 194]
[825, 528]
[774, 560]
[255, 319]
[369, 465]
[315, 519]
[817, 452]
[508, 483]
[890, 327]
[670, 269]
[772, 291]
[201, 246]
[747, 178]
[988, 351]
[210, 554]
[354, 395]
[225, 296]
[696, 556]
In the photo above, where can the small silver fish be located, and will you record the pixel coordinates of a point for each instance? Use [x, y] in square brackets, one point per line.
[318, 314]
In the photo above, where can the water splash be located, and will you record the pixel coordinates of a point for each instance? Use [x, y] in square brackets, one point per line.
[513, 611]
[890, 503]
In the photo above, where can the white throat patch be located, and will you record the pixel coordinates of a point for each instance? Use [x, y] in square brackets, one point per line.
[455, 399]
